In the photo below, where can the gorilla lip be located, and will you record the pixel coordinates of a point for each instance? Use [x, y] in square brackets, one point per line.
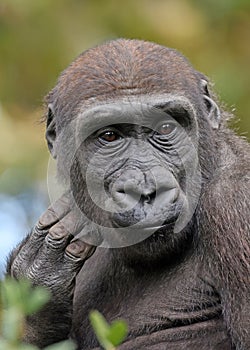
[153, 228]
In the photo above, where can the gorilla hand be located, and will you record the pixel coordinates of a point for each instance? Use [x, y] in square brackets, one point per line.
[50, 256]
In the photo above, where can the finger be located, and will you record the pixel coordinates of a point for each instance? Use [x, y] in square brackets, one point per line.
[55, 212]
[78, 251]
[17, 263]
[90, 234]
[63, 231]
[57, 239]
[52, 215]
[72, 222]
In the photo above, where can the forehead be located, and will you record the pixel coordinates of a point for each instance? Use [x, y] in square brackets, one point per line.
[102, 75]
[134, 105]
[123, 69]
[142, 110]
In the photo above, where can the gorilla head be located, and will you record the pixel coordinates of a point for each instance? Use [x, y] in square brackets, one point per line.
[125, 122]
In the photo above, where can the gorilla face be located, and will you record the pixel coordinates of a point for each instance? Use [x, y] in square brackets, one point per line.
[134, 166]
[129, 128]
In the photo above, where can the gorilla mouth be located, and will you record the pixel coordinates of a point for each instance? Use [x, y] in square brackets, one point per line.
[145, 225]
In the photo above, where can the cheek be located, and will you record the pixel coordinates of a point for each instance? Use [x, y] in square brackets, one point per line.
[88, 193]
[181, 151]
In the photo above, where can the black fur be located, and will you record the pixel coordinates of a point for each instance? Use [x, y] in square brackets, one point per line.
[187, 290]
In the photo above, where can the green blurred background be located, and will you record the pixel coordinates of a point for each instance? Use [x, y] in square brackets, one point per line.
[39, 38]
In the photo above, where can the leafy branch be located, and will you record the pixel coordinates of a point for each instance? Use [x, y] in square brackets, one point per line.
[19, 299]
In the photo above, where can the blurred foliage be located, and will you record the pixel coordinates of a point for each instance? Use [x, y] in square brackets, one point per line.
[109, 336]
[38, 39]
[18, 300]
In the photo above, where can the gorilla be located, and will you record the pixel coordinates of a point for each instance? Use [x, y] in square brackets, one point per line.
[153, 222]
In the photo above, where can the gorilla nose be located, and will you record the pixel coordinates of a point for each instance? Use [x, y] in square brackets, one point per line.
[131, 193]
[134, 194]
[136, 188]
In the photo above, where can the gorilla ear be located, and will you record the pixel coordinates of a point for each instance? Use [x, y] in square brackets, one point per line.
[214, 115]
[51, 131]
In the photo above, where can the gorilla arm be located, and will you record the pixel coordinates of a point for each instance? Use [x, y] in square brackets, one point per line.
[49, 258]
[226, 230]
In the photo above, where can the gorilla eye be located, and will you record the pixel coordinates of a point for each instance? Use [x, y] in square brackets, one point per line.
[109, 136]
[166, 129]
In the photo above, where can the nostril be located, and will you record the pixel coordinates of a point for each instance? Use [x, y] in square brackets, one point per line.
[148, 198]
[135, 194]
[129, 192]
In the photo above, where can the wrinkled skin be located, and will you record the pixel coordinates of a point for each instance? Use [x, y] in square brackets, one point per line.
[158, 182]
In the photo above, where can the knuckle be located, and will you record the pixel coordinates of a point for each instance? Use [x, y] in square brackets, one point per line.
[51, 242]
[57, 237]
[38, 234]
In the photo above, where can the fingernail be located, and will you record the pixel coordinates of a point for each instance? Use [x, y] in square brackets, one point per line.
[58, 232]
[47, 219]
[80, 249]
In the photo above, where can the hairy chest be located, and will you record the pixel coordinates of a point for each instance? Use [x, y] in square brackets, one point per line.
[177, 304]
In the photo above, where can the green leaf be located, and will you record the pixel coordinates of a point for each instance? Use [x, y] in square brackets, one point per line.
[38, 297]
[117, 332]
[101, 328]
[64, 345]
[10, 293]
[12, 324]
[22, 296]
[25, 347]
[18, 299]
[108, 336]
[5, 345]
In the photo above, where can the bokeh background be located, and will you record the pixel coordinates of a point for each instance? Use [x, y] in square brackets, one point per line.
[39, 38]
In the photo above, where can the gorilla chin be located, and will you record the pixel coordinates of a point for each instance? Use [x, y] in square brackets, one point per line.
[155, 241]
[161, 247]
